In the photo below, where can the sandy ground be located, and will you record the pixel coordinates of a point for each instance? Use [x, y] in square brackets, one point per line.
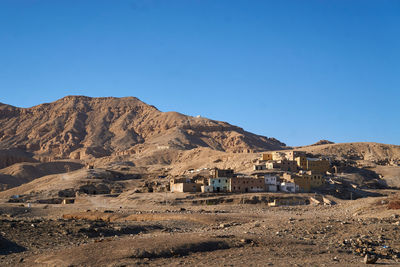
[101, 232]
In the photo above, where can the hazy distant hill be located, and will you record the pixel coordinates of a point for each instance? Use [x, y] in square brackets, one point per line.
[80, 126]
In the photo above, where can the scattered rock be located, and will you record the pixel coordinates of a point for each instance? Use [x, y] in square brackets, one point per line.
[370, 259]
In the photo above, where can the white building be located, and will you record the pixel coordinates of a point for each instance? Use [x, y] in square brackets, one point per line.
[271, 182]
[289, 187]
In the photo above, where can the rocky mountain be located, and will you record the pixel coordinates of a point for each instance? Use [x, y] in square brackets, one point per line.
[79, 127]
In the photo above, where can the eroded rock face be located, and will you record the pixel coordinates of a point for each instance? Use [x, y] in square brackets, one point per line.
[81, 127]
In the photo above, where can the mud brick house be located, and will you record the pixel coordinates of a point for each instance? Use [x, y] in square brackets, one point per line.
[284, 165]
[246, 184]
[184, 185]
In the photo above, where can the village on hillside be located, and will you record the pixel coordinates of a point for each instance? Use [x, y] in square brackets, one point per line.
[278, 171]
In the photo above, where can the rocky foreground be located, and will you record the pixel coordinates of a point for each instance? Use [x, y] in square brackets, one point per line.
[102, 233]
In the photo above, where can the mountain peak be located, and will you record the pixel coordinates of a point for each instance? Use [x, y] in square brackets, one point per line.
[79, 126]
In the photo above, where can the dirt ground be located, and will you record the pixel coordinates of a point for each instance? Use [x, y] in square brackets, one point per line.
[104, 231]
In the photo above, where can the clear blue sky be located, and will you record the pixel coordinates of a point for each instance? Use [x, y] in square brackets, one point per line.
[299, 71]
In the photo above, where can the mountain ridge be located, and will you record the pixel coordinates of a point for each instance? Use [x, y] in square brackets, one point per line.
[81, 126]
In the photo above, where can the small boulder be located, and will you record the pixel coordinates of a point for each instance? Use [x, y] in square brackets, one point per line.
[370, 259]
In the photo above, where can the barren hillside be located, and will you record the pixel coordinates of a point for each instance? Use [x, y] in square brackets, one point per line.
[20, 173]
[374, 152]
[82, 127]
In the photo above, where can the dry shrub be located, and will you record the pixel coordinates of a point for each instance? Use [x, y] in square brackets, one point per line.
[394, 205]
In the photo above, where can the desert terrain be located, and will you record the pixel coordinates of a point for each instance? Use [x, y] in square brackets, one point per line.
[85, 182]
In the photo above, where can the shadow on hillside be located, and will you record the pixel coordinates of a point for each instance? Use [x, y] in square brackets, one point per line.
[9, 247]
[347, 192]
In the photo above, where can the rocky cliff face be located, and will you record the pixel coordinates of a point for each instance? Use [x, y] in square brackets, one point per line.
[79, 126]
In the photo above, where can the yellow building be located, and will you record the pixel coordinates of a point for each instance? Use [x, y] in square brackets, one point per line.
[312, 164]
[301, 162]
[306, 181]
[266, 156]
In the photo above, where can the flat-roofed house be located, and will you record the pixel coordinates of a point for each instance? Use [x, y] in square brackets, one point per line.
[220, 184]
[184, 185]
[284, 165]
[289, 187]
[246, 184]
[271, 182]
[313, 164]
[306, 181]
